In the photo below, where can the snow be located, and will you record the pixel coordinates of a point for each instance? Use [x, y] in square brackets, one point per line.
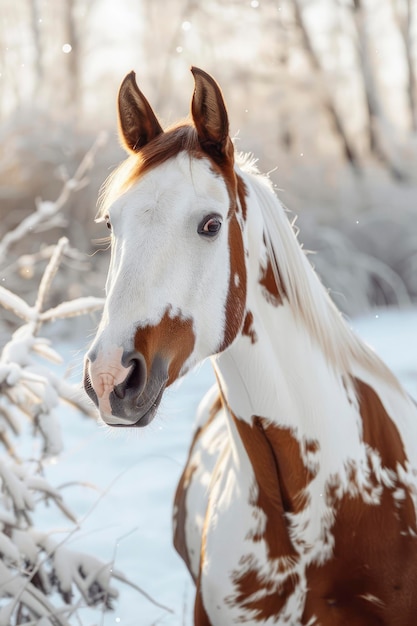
[393, 335]
[121, 483]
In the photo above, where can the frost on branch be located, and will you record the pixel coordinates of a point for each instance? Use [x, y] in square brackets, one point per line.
[42, 581]
[31, 563]
[29, 388]
[47, 214]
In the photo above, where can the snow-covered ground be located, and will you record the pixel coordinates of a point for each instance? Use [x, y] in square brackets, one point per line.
[125, 510]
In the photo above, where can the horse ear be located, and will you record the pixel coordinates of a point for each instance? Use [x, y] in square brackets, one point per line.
[138, 123]
[210, 116]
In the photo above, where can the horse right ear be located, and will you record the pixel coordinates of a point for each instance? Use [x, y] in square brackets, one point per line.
[138, 123]
[210, 117]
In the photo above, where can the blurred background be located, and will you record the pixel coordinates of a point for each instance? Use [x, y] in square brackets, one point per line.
[323, 92]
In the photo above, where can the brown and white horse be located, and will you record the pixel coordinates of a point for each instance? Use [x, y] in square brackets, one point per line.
[297, 505]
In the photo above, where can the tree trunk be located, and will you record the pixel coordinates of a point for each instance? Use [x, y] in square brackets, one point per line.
[73, 89]
[380, 142]
[405, 26]
[35, 18]
[330, 106]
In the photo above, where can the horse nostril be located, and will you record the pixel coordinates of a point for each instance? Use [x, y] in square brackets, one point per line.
[136, 378]
[88, 386]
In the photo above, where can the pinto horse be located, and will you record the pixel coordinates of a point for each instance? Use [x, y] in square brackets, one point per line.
[297, 504]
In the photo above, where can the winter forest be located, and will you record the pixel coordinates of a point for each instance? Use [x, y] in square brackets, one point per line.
[324, 94]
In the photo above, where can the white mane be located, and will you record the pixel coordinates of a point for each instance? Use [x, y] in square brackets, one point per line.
[308, 298]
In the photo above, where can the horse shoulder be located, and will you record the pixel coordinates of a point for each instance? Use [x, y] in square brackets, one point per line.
[372, 576]
[191, 497]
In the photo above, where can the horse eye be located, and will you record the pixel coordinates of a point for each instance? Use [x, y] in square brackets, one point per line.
[210, 226]
[107, 220]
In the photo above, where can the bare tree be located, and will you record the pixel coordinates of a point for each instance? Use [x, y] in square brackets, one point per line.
[73, 64]
[404, 16]
[329, 104]
[380, 133]
[35, 19]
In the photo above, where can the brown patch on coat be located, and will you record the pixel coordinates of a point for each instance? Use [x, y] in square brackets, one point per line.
[172, 338]
[236, 299]
[273, 291]
[281, 479]
[242, 193]
[372, 576]
[311, 446]
[293, 474]
[248, 329]
[200, 614]
[268, 605]
[378, 429]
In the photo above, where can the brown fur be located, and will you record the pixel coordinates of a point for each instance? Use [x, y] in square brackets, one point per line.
[236, 299]
[273, 290]
[372, 578]
[173, 338]
[281, 478]
[248, 329]
[242, 193]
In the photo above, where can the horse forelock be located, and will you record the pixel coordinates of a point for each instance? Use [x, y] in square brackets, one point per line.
[181, 137]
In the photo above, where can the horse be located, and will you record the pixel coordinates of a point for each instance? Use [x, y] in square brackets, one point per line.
[297, 504]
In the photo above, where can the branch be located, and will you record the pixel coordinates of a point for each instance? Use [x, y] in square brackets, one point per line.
[45, 210]
[49, 273]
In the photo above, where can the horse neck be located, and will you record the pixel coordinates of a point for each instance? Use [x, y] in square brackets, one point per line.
[278, 372]
[296, 356]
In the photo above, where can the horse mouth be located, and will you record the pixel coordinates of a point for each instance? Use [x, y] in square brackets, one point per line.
[145, 413]
[126, 414]
[132, 401]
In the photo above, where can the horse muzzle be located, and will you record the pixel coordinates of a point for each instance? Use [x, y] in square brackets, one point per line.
[125, 390]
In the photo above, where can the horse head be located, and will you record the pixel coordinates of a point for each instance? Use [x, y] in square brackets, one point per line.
[176, 285]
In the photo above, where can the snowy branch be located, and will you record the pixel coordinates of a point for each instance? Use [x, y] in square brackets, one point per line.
[46, 211]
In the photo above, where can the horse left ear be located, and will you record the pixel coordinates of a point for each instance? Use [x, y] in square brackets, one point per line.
[210, 117]
[138, 123]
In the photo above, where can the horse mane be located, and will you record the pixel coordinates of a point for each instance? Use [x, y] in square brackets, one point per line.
[308, 298]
